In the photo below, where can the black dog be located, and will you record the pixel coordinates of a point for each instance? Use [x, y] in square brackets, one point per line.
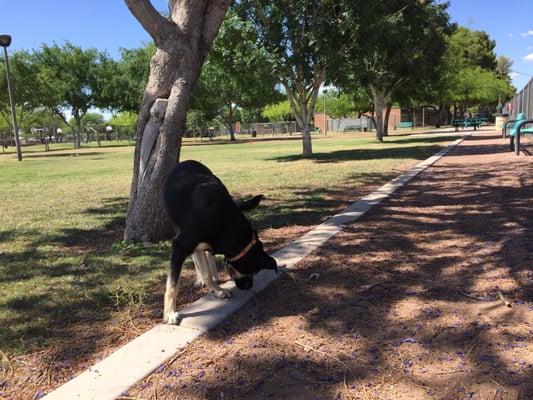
[208, 221]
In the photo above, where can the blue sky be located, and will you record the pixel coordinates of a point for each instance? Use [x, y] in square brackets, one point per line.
[108, 25]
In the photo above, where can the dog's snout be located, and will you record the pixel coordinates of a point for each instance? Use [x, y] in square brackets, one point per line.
[244, 283]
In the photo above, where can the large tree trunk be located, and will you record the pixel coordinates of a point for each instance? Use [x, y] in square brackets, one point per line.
[182, 42]
[438, 111]
[230, 122]
[77, 136]
[378, 96]
[386, 122]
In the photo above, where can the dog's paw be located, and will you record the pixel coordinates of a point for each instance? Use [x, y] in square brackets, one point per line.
[223, 294]
[172, 318]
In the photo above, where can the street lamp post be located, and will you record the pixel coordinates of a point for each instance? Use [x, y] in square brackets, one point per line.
[5, 41]
[325, 92]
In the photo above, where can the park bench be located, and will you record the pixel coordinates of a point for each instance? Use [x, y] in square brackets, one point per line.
[406, 124]
[517, 130]
[352, 128]
[467, 123]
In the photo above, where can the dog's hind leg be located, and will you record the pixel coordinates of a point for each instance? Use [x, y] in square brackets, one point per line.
[209, 280]
[177, 256]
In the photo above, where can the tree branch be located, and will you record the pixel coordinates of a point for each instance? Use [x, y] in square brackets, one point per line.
[152, 21]
[61, 116]
[213, 17]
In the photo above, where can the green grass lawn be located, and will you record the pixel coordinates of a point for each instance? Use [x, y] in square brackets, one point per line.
[61, 217]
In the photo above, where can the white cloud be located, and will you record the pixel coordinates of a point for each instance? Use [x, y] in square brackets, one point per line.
[528, 33]
[529, 57]
[530, 47]
[510, 35]
[513, 75]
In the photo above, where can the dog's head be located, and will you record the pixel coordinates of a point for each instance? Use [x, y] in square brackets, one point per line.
[243, 270]
[255, 258]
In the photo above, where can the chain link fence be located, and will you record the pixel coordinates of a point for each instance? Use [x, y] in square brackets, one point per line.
[523, 102]
[102, 134]
[362, 124]
[269, 128]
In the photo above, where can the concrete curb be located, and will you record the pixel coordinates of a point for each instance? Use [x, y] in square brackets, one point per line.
[137, 359]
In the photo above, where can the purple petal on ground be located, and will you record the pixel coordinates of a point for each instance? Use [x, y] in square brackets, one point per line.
[173, 372]
[167, 386]
[160, 369]
[39, 395]
[486, 357]
[407, 363]
[460, 353]
[408, 340]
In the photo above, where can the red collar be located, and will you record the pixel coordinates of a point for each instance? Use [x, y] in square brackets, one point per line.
[244, 251]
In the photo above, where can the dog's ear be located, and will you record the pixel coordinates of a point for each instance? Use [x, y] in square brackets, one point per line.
[247, 205]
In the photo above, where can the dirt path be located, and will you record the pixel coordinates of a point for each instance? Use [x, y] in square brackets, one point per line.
[406, 303]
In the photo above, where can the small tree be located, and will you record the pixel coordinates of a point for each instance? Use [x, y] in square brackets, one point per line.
[236, 75]
[278, 112]
[341, 104]
[398, 46]
[72, 79]
[303, 37]
[24, 79]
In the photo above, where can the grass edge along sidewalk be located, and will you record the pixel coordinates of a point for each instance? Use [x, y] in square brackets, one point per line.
[137, 359]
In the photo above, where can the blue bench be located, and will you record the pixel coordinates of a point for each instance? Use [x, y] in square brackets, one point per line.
[467, 123]
[406, 124]
[517, 129]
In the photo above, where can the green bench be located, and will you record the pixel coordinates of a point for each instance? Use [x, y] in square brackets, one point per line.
[355, 128]
[406, 124]
[517, 129]
[467, 123]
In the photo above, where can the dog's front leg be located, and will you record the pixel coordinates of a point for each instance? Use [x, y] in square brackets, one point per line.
[203, 259]
[177, 257]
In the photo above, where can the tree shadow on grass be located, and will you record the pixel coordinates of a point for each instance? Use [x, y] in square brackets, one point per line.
[405, 152]
[73, 154]
[60, 279]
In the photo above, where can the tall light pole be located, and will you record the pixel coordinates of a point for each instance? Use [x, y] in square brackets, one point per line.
[5, 41]
[325, 92]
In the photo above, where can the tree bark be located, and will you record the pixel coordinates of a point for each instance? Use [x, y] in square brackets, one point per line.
[303, 102]
[230, 122]
[182, 43]
[379, 99]
[387, 117]
[77, 136]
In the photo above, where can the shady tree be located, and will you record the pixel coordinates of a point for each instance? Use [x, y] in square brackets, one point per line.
[304, 38]
[182, 40]
[398, 48]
